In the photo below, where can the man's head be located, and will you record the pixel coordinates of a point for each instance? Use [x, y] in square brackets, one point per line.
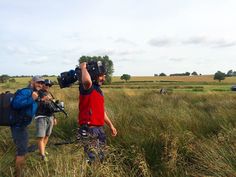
[47, 84]
[101, 73]
[100, 79]
[37, 83]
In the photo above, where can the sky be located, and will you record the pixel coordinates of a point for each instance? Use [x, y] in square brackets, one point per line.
[141, 37]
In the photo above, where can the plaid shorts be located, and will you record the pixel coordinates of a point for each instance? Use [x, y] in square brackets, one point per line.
[93, 139]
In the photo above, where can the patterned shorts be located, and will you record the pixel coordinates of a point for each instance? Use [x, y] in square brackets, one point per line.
[93, 139]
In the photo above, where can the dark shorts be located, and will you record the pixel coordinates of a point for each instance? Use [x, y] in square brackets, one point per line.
[20, 138]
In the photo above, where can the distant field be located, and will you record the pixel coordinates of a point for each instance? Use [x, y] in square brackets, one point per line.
[196, 84]
[203, 78]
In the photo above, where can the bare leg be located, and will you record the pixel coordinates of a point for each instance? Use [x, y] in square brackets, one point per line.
[45, 141]
[41, 146]
[20, 162]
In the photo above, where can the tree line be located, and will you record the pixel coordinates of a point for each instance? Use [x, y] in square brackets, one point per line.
[104, 59]
[110, 69]
[194, 73]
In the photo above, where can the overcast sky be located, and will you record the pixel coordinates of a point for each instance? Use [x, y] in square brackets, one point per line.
[141, 37]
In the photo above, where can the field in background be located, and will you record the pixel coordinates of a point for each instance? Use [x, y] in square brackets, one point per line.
[191, 131]
[204, 83]
[195, 84]
[203, 78]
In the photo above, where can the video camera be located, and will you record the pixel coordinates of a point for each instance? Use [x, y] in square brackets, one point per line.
[95, 68]
[57, 106]
[54, 105]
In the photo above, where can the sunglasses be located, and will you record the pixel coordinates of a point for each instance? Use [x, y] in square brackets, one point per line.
[49, 85]
[40, 82]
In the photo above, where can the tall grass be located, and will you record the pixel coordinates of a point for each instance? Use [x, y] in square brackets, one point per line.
[177, 131]
[181, 134]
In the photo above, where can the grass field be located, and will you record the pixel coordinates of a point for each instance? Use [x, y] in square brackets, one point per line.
[191, 131]
[204, 83]
[203, 78]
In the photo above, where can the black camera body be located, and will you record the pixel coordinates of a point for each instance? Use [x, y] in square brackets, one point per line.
[94, 68]
[52, 106]
[56, 106]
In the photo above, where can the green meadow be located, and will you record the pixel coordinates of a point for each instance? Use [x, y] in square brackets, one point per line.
[190, 131]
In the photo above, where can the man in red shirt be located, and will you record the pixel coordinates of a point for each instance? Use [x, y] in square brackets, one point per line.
[92, 115]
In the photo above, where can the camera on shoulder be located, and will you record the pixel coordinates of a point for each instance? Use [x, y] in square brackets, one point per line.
[95, 68]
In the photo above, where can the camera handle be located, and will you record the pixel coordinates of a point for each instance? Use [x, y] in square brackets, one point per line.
[59, 108]
[57, 105]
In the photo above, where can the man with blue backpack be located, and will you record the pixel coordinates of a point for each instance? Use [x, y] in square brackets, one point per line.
[25, 105]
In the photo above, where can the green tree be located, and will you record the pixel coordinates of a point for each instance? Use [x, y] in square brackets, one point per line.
[181, 74]
[187, 73]
[125, 77]
[4, 78]
[162, 74]
[105, 59]
[219, 76]
[194, 73]
[229, 73]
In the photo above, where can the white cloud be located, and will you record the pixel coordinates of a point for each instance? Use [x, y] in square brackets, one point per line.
[125, 41]
[160, 42]
[177, 59]
[68, 62]
[39, 60]
[217, 43]
[130, 32]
